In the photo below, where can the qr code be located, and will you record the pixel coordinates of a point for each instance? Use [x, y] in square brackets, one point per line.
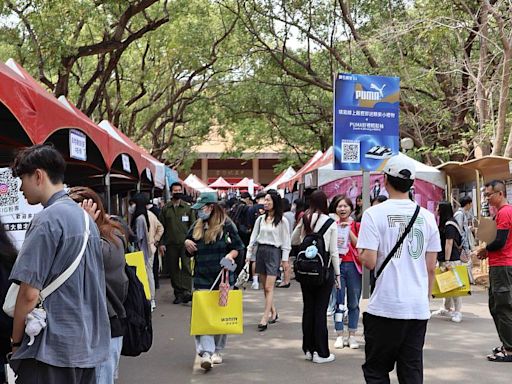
[8, 189]
[350, 151]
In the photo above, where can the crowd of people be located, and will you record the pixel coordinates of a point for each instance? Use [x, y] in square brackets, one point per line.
[395, 238]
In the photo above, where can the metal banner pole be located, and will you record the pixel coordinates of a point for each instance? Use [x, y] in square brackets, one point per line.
[107, 192]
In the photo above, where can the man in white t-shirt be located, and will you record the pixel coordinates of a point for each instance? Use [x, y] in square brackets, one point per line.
[395, 322]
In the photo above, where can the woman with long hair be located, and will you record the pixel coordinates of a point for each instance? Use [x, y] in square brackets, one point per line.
[113, 245]
[451, 243]
[210, 239]
[270, 246]
[340, 210]
[140, 227]
[8, 255]
[316, 298]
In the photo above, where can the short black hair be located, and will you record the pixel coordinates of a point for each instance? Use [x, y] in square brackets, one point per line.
[497, 186]
[40, 156]
[176, 184]
[465, 200]
[401, 185]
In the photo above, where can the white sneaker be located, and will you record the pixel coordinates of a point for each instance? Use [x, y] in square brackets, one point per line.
[339, 343]
[308, 356]
[352, 343]
[206, 361]
[153, 305]
[321, 360]
[217, 358]
[442, 312]
[255, 285]
[457, 317]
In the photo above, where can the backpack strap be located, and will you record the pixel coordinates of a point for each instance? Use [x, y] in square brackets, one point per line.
[461, 234]
[326, 226]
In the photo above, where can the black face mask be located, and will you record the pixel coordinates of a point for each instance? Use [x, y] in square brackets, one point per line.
[177, 196]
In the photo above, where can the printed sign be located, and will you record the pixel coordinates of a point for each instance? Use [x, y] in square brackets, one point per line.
[366, 115]
[15, 212]
[126, 162]
[148, 174]
[77, 145]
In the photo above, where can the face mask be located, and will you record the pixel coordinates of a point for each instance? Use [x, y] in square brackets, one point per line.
[177, 196]
[203, 215]
[131, 209]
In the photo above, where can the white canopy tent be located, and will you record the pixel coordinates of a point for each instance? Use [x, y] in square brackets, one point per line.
[195, 183]
[282, 178]
[326, 174]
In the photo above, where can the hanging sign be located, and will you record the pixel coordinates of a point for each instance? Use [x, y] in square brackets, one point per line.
[126, 162]
[77, 145]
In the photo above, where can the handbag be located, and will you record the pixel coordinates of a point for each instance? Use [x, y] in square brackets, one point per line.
[464, 290]
[224, 288]
[12, 293]
[375, 276]
[211, 318]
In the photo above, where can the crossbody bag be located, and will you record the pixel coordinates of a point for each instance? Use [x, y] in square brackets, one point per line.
[375, 276]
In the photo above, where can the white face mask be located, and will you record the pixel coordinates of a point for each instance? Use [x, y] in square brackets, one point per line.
[131, 209]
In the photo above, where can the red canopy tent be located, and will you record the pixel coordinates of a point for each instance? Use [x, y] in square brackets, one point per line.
[298, 176]
[244, 184]
[220, 183]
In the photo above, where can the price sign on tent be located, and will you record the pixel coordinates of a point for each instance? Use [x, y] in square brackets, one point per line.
[366, 115]
[126, 163]
[77, 145]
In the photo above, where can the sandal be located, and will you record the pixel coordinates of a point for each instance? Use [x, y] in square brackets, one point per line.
[498, 350]
[500, 357]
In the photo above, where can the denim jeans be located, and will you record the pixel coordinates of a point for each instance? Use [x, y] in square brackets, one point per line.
[107, 372]
[351, 283]
[210, 343]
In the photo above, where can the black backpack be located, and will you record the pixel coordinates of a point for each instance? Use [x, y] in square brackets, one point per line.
[138, 335]
[239, 216]
[313, 270]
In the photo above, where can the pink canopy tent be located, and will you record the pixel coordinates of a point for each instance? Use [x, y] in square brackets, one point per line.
[244, 184]
[220, 183]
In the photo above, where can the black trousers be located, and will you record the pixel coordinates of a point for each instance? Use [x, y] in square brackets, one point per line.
[31, 371]
[315, 336]
[500, 302]
[390, 341]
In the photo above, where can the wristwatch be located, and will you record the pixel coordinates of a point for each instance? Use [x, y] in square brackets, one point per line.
[15, 344]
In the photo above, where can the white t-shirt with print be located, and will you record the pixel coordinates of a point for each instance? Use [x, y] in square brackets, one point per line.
[401, 291]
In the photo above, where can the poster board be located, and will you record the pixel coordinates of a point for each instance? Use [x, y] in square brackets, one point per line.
[136, 259]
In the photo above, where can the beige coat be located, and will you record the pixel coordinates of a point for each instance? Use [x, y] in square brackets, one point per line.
[156, 230]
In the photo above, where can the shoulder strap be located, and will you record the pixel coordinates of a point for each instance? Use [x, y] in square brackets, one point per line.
[54, 285]
[399, 242]
[325, 227]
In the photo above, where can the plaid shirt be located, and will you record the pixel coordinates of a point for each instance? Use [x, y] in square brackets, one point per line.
[208, 256]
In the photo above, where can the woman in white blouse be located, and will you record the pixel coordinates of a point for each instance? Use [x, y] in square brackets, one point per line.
[315, 343]
[269, 246]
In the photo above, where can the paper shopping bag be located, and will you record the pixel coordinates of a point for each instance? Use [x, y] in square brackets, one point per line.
[448, 281]
[209, 318]
[464, 290]
[136, 259]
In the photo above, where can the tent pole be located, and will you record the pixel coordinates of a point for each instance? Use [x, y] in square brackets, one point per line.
[107, 190]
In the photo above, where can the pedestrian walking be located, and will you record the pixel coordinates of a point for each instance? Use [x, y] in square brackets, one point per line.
[268, 248]
[464, 218]
[177, 217]
[156, 230]
[140, 226]
[449, 256]
[286, 268]
[77, 337]
[400, 241]
[341, 209]
[113, 244]
[211, 239]
[499, 253]
[315, 298]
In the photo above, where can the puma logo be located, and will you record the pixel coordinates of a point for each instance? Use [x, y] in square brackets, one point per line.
[373, 86]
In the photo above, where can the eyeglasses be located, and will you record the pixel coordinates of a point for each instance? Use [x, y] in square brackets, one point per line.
[487, 195]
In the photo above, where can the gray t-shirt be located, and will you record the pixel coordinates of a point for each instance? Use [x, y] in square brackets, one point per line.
[78, 331]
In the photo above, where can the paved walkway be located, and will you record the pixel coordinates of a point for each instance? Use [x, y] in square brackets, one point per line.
[454, 353]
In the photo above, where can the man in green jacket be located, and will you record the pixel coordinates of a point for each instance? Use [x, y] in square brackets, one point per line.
[177, 217]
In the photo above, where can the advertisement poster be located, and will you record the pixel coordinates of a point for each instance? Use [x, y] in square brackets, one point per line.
[366, 121]
[15, 212]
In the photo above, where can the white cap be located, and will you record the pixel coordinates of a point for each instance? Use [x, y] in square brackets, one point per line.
[400, 166]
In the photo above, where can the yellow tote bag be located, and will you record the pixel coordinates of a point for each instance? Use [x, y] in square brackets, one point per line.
[448, 281]
[136, 259]
[208, 318]
[464, 290]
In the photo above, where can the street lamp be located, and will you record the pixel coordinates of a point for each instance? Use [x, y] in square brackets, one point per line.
[407, 144]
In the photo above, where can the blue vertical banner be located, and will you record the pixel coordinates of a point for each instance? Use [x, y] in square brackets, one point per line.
[366, 121]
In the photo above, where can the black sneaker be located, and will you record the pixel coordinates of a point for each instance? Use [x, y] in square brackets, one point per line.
[178, 300]
[186, 299]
